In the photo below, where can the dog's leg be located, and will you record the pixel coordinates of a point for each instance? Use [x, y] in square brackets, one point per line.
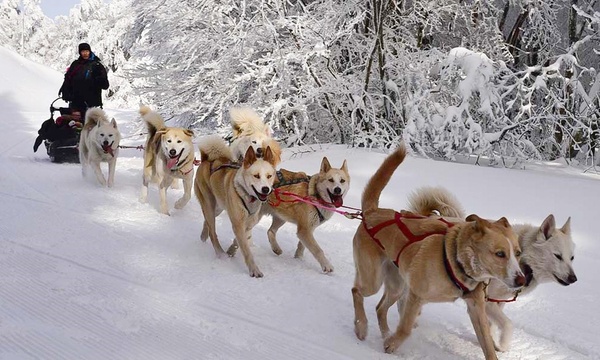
[241, 230]
[146, 178]
[98, 172]
[393, 289]
[205, 229]
[111, 171]
[299, 250]
[496, 315]
[476, 309]
[187, 193]
[162, 191]
[208, 203]
[360, 316]
[272, 234]
[412, 309]
[305, 234]
[83, 158]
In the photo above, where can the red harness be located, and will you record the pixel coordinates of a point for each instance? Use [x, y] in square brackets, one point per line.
[412, 238]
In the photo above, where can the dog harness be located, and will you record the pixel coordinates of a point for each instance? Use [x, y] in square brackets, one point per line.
[413, 238]
[285, 182]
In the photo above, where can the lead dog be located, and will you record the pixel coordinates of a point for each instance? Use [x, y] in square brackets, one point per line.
[249, 130]
[240, 189]
[328, 187]
[99, 142]
[168, 155]
[547, 255]
[422, 259]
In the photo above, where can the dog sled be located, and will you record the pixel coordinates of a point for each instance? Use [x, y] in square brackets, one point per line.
[60, 136]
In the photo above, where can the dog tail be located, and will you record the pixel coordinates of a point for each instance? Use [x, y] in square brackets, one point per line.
[154, 121]
[428, 200]
[93, 116]
[245, 121]
[373, 189]
[213, 147]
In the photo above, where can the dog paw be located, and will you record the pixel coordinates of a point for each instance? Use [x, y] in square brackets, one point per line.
[360, 329]
[232, 250]
[390, 344]
[179, 204]
[255, 273]
[501, 347]
[277, 250]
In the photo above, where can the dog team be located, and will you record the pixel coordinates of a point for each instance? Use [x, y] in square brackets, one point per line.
[430, 252]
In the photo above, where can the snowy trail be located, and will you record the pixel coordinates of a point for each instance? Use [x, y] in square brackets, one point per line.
[90, 273]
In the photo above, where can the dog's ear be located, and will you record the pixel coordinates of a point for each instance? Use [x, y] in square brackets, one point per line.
[566, 228]
[269, 156]
[113, 122]
[250, 157]
[548, 226]
[504, 222]
[188, 132]
[479, 223]
[325, 165]
[345, 167]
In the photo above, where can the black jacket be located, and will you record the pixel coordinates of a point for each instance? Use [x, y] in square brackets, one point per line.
[84, 82]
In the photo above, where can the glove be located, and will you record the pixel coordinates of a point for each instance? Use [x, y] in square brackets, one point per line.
[75, 125]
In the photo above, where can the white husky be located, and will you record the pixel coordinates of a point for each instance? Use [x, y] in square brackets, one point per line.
[99, 143]
[547, 254]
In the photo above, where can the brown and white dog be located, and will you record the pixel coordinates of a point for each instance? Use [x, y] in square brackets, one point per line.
[249, 130]
[168, 155]
[238, 188]
[547, 254]
[327, 187]
[422, 259]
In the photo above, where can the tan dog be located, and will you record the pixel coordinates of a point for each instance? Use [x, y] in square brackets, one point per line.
[99, 143]
[422, 259]
[249, 130]
[328, 186]
[240, 189]
[168, 155]
[547, 255]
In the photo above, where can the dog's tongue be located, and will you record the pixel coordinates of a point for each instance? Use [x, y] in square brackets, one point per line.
[337, 201]
[108, 149]
[172, 162]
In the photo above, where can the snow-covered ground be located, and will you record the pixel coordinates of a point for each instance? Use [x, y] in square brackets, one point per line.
[90, 273]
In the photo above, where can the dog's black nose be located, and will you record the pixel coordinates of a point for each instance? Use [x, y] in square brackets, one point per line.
[519, 280]
[105, 143]
[265, 190]
[259, 152]
[337, 191]
[572, 278]
[172, 152]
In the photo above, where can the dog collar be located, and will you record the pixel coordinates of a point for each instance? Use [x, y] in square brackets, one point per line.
[451, 273]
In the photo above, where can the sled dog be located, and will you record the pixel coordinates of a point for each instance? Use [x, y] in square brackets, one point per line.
[238, 188]
[168, 155]
[250, 131]
[421, 259]
[99, 142]
[547, 255]
[327, 187]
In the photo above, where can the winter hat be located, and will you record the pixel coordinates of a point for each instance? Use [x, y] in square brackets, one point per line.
[84, 46]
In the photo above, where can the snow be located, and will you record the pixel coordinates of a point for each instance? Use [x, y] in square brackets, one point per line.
[91, 273]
